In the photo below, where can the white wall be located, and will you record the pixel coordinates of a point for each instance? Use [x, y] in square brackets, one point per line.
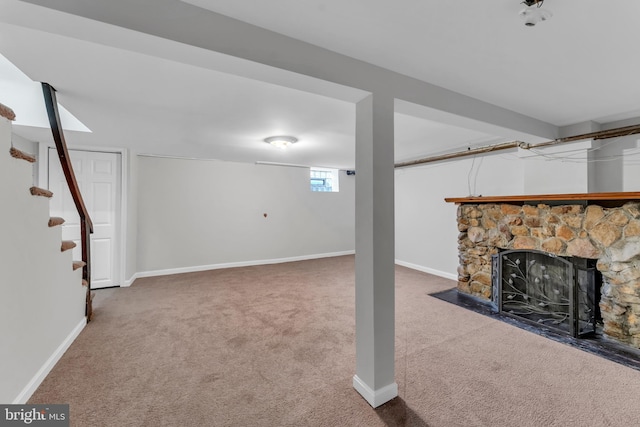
[426, 232]
[131, 215]
[426, 229]
[24, 144]
[194, 213]
[556, 169]
[215, 211]
[41, 297]
[28, 147]
[616, 165]
[631, 164]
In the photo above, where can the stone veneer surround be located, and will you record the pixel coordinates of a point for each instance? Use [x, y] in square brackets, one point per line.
[610, 235]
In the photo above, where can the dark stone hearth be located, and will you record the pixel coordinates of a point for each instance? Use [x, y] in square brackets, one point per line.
[597, 344]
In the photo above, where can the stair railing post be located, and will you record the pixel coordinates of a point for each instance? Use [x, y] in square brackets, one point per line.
[86, 270]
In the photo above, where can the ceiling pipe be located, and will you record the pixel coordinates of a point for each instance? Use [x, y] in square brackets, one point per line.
[604, 134]
[601, 134]
[469, 152]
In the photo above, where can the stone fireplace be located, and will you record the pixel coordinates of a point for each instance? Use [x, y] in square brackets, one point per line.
[601, 227]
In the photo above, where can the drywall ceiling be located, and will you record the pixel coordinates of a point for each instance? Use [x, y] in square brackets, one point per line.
[577, 66]
[164, 107]
[163, 97]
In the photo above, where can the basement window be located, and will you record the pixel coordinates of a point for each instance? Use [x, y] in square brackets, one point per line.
[324, 180]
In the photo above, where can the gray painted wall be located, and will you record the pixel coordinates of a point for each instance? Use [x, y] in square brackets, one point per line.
[196, 213]
[426, 233]
[556, 169]
[426, 229]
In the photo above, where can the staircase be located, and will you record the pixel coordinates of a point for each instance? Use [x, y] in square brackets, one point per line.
[43, 305]
[53, 222]
[36, 191]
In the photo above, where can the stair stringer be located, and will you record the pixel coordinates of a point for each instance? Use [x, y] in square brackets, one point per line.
[42, 300]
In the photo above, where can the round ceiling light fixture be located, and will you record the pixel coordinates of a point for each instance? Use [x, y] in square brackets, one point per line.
[281, 142]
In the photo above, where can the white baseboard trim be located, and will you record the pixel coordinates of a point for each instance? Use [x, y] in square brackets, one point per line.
[378, 397]
[129, 282]
[193, 269]
[428, 270]
[42, 373]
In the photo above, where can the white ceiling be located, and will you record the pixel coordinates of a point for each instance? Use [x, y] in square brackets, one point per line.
[580, 65]
[165, 107]
[162, 97]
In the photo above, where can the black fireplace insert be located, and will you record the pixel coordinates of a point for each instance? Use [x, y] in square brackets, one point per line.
[559, 293]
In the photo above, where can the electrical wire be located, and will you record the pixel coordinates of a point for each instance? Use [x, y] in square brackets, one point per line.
[579, 150]
[469, 176]
[584, 160]
[537, 153]
[582, 152]
[475, 177]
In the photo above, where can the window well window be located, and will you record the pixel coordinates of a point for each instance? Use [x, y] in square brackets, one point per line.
[322, 179]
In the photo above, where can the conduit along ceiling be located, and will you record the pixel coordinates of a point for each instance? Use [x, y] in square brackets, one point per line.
[163, 97]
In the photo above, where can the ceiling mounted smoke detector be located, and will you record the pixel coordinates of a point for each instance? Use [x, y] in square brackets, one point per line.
[533, 13]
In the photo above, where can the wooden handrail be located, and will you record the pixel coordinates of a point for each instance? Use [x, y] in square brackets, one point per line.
[86, 225]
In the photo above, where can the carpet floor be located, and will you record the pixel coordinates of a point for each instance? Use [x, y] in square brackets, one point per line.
[274, 345]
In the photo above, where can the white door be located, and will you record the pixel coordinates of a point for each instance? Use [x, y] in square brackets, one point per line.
[98, 176]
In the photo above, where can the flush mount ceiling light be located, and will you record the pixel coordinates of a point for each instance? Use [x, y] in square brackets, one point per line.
[281, 142]
[533, 13]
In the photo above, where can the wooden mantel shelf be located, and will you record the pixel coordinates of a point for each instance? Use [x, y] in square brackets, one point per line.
[616, 198]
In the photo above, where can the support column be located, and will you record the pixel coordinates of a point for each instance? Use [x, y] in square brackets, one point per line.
[375, 254]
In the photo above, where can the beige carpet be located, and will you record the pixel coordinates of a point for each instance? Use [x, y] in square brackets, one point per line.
[274, 346]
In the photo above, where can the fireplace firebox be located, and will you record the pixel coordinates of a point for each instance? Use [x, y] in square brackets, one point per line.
[558, 293]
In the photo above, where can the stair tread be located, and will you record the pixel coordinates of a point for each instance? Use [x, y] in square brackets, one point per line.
[85, 283]
[55, 220]
[17, 154]
[7, 112]
[78, 264]
[37, 191]
[67, 244]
